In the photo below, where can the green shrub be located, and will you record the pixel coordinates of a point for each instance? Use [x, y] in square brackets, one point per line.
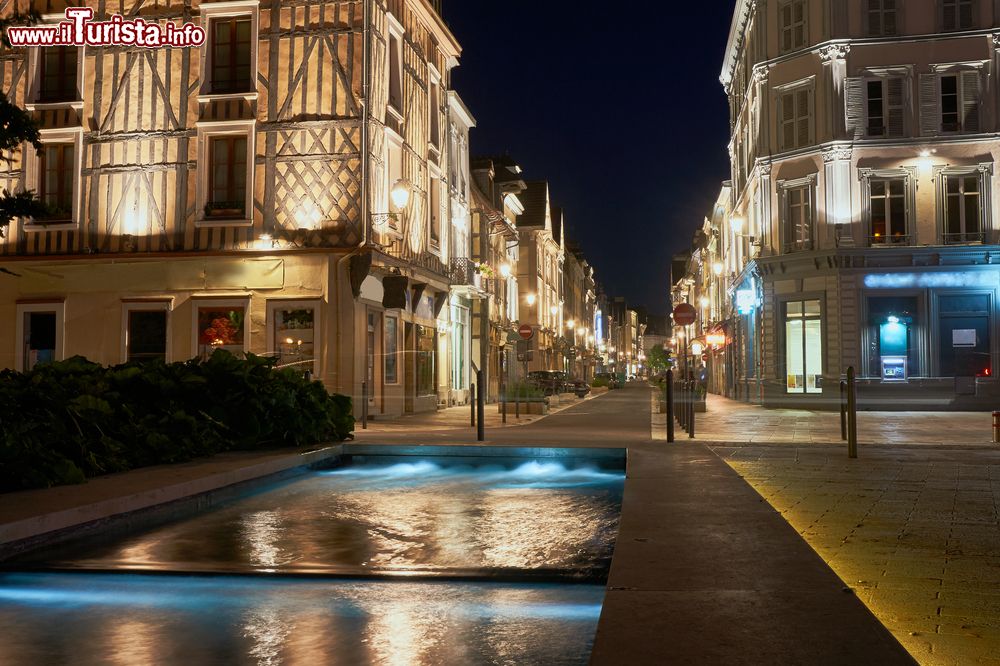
[600, 382]
[66, 421]
[524, 391]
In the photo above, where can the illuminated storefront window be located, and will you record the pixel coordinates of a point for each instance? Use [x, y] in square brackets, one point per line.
[803, 347]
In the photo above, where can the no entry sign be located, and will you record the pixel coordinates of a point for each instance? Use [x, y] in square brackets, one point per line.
[685, 314]
[526, 331]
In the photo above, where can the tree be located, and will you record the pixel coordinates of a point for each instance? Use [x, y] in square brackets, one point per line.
[17, 128]
[659, 359]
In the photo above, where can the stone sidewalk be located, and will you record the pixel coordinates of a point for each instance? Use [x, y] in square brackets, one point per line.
[915, 532]
[737, 422]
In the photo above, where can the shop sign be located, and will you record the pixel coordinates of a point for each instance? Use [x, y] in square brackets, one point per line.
[746, 301]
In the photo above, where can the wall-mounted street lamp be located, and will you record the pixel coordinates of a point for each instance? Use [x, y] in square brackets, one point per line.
[505, 270]
[717, 268]
[554, 309]
[530, 299]
[399, 196]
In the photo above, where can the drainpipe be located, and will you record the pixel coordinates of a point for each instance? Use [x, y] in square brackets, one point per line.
[366, 76]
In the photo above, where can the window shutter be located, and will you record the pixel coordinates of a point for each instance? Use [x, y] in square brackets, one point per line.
[803, 118]
[787, 104]
[854, 94]
[874, 16]
[930, 105]
[970, 101]
[949, 16]
[896, 106]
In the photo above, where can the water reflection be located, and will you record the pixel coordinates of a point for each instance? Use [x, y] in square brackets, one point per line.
[407, 517]
[98, 619]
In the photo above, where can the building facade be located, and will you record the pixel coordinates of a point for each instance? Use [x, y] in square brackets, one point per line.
[860, 229]
[283, 191]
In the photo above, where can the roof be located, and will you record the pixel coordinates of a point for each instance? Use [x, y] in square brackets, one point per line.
[536, 205]
[736, 38]
[556, 215]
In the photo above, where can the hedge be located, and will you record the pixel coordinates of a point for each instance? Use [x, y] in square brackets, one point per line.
[66, 421]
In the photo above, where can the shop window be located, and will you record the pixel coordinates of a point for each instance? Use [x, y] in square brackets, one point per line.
[964, 336]
[293, 331]
[391, 350]
[893, 323]
[803, 347]
[39, 335]
[146, 333]
[426, 345]
[221, 326]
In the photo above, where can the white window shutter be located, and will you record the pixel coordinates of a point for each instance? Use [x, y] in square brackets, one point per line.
[970, 100]
[803, 118]
[854, 95]
[930, 105]
[895, 106]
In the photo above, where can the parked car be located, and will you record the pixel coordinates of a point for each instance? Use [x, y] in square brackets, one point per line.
[563, 382]
[545, 381]
[610, 378]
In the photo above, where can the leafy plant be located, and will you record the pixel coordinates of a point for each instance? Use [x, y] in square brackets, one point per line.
[66, 421]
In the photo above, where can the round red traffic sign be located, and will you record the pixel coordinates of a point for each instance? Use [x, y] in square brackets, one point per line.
[685, 314]
[526, 331]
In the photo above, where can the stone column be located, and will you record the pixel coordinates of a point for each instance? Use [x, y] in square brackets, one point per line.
[837, 196]
[834, 59]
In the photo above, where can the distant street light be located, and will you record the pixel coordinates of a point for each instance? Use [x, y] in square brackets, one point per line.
[530, 299]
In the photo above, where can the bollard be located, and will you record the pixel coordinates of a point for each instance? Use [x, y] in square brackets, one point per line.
[843, 411]
[480, 408]
[996, 427]
[852, 414]
[472, 405]
[503, 403]
[364, 405]
[517, 404]
[681, 411]
[669, 388]
[691, 417]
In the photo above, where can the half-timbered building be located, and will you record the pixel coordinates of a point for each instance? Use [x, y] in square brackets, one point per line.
[281, 190]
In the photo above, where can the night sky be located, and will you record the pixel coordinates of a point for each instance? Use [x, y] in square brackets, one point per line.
[618, 106]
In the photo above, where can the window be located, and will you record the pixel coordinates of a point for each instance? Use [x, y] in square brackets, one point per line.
[426, 344]
[220, 325]
[964, 335]
[885, 107]
[792, 20]
[435, 114]
[57, 172]
[796, 118]
[39, 334]
[888, 211]
[803, 347]
[893, 322]
[798, 218]
[395, 66]
[225, 184]
[950, 102]
[957, 14]
[229, 59]
[231, 54]
[882, 17]
[145, 332]
[293, 331]
[963, 208]
[434, 213]
[227, 179]
[391, 350]
[57, 80]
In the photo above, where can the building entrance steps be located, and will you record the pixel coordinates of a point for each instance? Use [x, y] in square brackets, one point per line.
[737, 422]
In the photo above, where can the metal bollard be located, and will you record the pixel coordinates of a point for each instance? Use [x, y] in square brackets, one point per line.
[517, 404]
[472, 405]
[480, 408]
[364, 405]
[694, 399]
[996, 427]
[669, 388]
[843, 411]
[852, 414]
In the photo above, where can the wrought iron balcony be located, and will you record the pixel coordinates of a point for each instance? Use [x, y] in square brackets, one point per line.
[400, 248]
[879, 240]
[968, 238]
[464, 273]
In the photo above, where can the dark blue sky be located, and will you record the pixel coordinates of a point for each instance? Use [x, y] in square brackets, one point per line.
[618, 105]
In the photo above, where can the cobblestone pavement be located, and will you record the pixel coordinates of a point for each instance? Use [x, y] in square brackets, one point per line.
[733, 421]
[915, 533]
